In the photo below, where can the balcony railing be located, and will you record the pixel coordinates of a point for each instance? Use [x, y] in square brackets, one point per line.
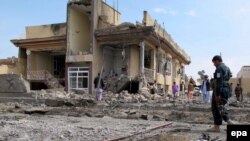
[149, 74]
[40, 75]
[36, 75]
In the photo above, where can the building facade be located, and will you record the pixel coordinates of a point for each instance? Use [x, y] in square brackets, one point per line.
[94, 41]
[12, 66]
[243, 78]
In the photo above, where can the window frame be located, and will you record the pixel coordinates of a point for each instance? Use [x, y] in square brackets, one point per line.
[77, 71]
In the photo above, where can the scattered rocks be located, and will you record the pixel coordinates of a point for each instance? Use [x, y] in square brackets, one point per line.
[54, 103]
[142, 97]
[236, 104]
[88, 114]
[158, 118]
[70, 102]
[146, 117]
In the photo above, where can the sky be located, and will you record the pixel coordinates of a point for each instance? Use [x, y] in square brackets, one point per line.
[203, 28]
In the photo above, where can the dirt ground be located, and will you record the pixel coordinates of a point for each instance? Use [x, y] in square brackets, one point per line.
[115, 121]
[23, 127]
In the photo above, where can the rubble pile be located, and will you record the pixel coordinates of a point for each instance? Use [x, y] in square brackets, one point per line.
[142, 97]
[58, 94]
[115, 83]
[59, 98]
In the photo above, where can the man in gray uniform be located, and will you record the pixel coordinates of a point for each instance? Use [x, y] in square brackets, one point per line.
[221, 93]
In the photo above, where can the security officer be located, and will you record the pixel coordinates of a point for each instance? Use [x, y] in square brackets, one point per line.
[221, 93]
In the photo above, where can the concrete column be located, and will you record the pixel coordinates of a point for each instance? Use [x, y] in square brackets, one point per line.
[28, 53]
[95, 68]
[142, 52]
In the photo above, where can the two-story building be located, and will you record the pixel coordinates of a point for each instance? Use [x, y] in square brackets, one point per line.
[92, 41]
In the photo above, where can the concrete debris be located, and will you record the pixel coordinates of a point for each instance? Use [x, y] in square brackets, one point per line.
[236, 104]
[70, 103]
[142, 97]
[13, 83]
[116, 84]
[158, 118]
[207, 137]
[59, 94]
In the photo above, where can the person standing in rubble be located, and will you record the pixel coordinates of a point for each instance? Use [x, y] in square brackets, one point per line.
[221, 93]
[205, 88]
[175, 90]
[190, 91]
[182, 89]
[230, 99]
[238, 92]
[99, 85]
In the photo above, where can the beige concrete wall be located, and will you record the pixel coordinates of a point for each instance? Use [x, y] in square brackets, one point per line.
[235, 81]
[160, 81]
[169, 78]
[98, 61]
[41, 61]
[97, 50]
[244, 72]
[19, 68]
[43, 31]
[4, 69]
[245, 84]
[134, 64]
[79, 32]
[109, 15]
[147, 19]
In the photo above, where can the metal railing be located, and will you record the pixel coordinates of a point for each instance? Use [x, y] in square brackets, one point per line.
[39, 75]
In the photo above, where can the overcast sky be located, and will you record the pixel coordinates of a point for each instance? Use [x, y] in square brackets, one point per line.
[203, 28]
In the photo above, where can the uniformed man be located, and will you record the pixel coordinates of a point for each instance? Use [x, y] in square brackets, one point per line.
[221, 93]
[238, 92]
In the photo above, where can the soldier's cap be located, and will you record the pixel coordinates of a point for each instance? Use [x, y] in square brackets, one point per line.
[217, 58]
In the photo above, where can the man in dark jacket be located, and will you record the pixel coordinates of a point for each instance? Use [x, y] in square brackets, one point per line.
[96, 82]
[238, 93]
[99, 85]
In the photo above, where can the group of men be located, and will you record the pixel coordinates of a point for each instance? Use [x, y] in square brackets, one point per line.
[222, 91]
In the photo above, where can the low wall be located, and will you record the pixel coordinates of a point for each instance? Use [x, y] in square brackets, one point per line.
[13, 83]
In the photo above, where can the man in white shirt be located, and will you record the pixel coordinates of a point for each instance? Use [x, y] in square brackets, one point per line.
[205, 88]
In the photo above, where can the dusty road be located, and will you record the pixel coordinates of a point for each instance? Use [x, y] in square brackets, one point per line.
[105, 122]
[23, 127]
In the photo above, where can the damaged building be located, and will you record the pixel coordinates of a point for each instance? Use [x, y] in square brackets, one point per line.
[93, 40]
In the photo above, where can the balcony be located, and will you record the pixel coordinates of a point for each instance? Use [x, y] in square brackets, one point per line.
[44, 76]
[39, 75]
